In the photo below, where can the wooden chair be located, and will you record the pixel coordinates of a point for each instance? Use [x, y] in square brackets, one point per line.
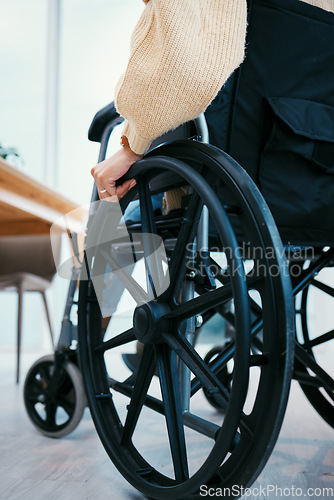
[27, 265]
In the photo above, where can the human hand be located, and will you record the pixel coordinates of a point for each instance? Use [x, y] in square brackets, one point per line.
[110, 170]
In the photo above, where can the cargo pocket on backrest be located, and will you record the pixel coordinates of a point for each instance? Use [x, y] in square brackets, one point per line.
[297, 168]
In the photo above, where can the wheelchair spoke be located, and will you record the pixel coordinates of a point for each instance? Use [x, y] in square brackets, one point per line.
[50, 409]
[202, 303]
[191, 421]
[33, 393]
[326, 337]
[143, 380]
[186, 235]
[205, 375]
[306, 277]
[307, 360]
[121, 339]
[154, 270]
[167, 366]
[216, 364]
[256, 327]
[323, 287]
[137, 292]
[68, 407]
[195, 363]
[306, 379]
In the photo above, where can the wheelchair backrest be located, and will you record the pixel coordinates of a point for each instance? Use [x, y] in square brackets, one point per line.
[275, 115]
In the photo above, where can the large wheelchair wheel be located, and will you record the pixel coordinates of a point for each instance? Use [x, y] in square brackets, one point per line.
[191, 446]
[313, 369]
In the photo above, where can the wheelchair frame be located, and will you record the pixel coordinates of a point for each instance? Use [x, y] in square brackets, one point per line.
[67, 350]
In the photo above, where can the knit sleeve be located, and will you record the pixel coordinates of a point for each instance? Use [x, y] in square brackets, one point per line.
[322, 4]
[182, 52]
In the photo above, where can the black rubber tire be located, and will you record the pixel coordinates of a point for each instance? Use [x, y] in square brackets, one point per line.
[223, 375]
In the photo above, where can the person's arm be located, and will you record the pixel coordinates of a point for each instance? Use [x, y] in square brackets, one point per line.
[322, 4]
[182, 52]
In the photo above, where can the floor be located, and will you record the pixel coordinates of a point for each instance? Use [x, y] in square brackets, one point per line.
[33, 467]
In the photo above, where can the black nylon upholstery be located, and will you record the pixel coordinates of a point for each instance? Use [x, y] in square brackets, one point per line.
[279, 123]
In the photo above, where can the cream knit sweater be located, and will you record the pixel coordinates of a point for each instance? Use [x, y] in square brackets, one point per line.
[182, 52]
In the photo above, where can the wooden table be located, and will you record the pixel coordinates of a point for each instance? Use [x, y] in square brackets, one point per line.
[29, 207]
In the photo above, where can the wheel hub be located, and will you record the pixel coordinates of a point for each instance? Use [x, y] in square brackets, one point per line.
[149, 322]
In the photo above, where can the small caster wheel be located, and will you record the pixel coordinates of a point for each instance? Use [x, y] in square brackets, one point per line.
[54, 411]
[223, 375]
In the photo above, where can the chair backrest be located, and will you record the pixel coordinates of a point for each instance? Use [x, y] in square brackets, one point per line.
[276, 116]
[29, 254]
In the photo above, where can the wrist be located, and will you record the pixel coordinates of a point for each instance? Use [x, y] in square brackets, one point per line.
[126, 147]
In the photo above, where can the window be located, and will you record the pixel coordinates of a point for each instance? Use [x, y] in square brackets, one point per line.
[87, 57]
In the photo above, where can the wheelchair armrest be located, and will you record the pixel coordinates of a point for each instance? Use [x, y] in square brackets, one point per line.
[105, 116]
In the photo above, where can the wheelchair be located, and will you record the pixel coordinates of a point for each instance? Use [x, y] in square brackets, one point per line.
[246, 245]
